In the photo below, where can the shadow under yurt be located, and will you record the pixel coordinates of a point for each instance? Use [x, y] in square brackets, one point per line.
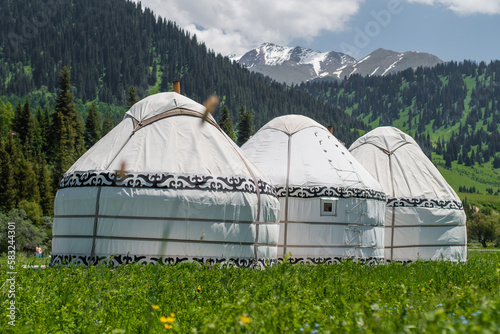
[424, 216]
[331, 207]
[164, 186]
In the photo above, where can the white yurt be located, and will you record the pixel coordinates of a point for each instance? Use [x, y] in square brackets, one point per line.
[331, 207]
[164, 186]
[424, 216]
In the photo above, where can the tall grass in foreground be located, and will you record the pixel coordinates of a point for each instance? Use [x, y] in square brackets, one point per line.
[189, 298]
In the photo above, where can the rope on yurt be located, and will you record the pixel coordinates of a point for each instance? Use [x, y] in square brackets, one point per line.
[96, 219]
[173, 112]
[393, 218]
[393, 208]
[349, 210]
[287, 191]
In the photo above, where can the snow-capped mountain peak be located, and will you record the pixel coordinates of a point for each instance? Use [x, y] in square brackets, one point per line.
[274, 54]
[313, 63]
[297, 64]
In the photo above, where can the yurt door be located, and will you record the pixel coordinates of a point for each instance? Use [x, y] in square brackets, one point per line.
[353, 233]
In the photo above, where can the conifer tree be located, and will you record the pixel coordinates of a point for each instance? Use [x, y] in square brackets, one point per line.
[467, 160]
[17, 122]
[226, 124]
[66, 105]
[92, 127]
[165, 84]
[40, 133]
[6, 118]
[26, 181]
[23, 124]
[30, 141]
[154, 73]
[107, 124]
[21, 183]
[66, 128]
[45, 185]
[133, 97]
[447, 161]
[245, 125]
[496, 162]
[7, 182]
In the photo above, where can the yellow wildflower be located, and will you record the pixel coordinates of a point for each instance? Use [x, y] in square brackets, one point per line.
[468, 281]
[172, 315]
[423, 289]
[165, 319]
[199, 289]
[167, 326]
[244, 319]
[155, 307]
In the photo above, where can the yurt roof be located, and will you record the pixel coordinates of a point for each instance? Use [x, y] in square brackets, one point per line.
[291, 124]
[386, 138]
[296, 151]
[399, 164]
[156, 104]
[160, 135]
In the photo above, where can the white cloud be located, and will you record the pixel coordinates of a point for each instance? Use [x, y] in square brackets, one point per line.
[235, 26]
[466, 7]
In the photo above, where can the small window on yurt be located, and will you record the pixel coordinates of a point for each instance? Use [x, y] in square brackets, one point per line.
[328, 206]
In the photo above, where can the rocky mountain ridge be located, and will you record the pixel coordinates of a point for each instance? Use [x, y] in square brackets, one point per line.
[297, 64]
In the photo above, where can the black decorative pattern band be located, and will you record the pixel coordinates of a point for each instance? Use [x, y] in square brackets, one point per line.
[323, 191]
[331, 260]
[117, 260]
[165, 181]
[424, 203]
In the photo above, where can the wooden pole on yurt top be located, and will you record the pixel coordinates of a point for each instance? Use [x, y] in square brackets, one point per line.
[177, 87]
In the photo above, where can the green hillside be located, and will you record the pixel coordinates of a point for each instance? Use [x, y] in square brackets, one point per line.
[484, 179]
[452, 110]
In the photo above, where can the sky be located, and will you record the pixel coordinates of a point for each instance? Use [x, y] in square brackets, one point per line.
[450, 29]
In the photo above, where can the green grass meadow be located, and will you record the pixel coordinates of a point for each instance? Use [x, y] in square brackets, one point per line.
[481, 177]
[418, 297]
